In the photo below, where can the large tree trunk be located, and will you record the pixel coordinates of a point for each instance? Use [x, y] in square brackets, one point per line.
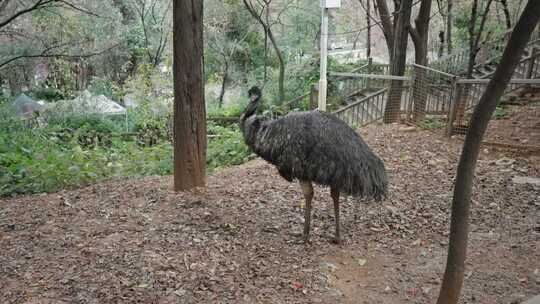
[224, 83]
[449, 21]
[399, 58]
[459, 226]
[441, 45]
[420, 35]
[475, 35]
[507, 17]
[189, 107]
[268, 31]
[368, 38]
[387, 25]
[281, 80]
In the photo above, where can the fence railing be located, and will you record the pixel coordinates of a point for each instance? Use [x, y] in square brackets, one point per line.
[364, 111]
[430, 98]
[370, 104]
[467, 96]
[457, 62]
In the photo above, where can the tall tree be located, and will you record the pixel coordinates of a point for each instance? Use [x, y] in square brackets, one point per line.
[261, 14]
[11, 10]
[387, 25]
[459, 226]
[398, 61]
[189, 106]
[449, 22]
[154, 20]
[27, 35]
[506, 11]
[368, 37]
[420, 34]
[477, 24]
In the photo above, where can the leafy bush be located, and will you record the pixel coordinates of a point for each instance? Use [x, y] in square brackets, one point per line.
[37, 161]
[226, 147]
[48, 94]
[56, 157]
[431, 123]
[102, 86]
[234, 110]
[97, 122]
[500, 113]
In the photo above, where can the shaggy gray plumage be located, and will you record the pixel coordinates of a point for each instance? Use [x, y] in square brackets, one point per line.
[315, 146]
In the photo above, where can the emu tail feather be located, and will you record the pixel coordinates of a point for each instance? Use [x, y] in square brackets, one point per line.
[366, 179]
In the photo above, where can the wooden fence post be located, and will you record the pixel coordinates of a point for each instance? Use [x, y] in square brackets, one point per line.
[313, 96]
[532, 62]
[452, 111]
[368, 71]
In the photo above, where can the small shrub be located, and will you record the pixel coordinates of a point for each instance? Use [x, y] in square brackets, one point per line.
[431, 124]
[101, 86]
[500, 113]
[54, 158]
[48, 94]
[226, 148]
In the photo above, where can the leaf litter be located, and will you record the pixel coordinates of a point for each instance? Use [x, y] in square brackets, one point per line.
[137, 241]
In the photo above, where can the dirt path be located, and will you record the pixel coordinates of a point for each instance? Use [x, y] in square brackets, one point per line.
[136, 241]
[520, 127]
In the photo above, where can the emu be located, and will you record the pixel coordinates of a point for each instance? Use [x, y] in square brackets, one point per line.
[315, 147]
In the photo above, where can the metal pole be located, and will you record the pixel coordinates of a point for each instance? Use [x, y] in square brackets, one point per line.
[324, 57]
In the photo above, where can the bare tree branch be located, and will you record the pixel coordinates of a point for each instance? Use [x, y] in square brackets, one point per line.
[38, 5]
[82, 10]
[45, 54]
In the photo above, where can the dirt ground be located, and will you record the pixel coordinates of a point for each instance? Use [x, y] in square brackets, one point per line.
[137, 241]
[521, 127]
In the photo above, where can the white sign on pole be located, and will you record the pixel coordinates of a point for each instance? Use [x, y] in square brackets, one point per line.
[330, 3]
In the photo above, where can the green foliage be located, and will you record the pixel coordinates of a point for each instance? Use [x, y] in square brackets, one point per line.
[35, 163]
[431, 124]
[234, 110]
[500, 113]
[47, 94]
[462, 21]
[74, 151]
[95, 122]
[103, 86]
[226, 147]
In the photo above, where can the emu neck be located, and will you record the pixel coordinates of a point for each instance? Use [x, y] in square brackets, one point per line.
[251, 109]
[250, 123]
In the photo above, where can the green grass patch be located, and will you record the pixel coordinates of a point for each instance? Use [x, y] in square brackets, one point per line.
[431, 124]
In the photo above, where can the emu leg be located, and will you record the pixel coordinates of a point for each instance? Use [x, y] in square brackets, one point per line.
[335, 197]
[307, 188]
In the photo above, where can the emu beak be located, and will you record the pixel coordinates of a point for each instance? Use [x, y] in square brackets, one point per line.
[253, 97]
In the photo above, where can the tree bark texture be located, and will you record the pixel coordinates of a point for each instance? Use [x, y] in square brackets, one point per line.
[476, 35]
[506, 11]
[399, 58]
[268, 31]
[189, 106]
[224, 82]
[459, 226]
[368, 19]
[387, 25]
[449, 21]
[420, 34]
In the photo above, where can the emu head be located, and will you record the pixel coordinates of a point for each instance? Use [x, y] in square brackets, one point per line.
[254, 94]
[254, 101]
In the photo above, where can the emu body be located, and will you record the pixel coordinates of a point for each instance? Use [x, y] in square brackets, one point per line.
[315, 147]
